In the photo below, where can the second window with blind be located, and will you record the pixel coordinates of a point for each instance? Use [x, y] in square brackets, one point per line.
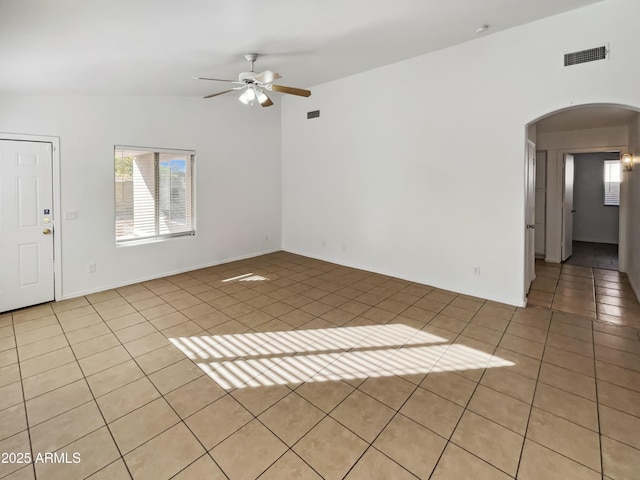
[154, 194]
[612, 182]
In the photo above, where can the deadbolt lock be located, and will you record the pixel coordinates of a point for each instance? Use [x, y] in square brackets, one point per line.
[46, 231]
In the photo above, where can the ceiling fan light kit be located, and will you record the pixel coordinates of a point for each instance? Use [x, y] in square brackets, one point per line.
[254, 85]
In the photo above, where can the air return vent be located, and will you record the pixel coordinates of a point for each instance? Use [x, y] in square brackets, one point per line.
[584, 56]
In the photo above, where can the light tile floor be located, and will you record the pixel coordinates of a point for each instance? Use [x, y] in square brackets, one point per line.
[284, 367]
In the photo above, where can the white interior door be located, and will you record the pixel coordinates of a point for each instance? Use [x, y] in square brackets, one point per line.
[541, 202]
[26, 224]
[567, 207]
[530, 215]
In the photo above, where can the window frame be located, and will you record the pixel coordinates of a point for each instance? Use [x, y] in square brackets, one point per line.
[611, 199]
[158, 237]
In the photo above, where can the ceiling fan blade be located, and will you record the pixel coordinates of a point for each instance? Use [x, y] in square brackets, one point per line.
[290, 90]
[214, 79]
[267, 102]
[219, 93]
[266, 77]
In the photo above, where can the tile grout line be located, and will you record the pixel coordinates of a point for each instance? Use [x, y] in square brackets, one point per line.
[466, 407]
[24, 404]
[181, 420]
[533, 398]
[84, 377]
[595, 381]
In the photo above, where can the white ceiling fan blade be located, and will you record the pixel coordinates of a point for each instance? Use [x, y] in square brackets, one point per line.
[266, 77]
[217, 80]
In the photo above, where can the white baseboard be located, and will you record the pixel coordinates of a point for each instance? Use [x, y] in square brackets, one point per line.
[519, 303]
[68, 296]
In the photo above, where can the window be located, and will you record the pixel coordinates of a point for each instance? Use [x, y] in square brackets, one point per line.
[154, 193]
[612, 182]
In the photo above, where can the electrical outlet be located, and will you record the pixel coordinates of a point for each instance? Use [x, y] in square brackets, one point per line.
[476, 271]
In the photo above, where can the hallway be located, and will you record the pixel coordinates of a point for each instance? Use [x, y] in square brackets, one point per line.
[597, 293]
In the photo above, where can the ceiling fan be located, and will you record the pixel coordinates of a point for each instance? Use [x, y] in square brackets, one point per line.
[254, 85]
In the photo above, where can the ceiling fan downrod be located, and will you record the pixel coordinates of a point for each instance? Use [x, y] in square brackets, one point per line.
[251, 58]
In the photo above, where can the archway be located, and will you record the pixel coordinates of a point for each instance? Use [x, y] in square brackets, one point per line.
[578, 129]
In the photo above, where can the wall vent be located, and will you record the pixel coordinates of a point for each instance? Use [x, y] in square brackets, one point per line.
[314, 114]
[584, 56]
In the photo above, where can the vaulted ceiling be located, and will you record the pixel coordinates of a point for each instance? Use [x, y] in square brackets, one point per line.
[154, 47]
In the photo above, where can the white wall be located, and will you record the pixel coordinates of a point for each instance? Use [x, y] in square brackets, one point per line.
[237, 179]
[416, 169]
[571, 141]
[631, 214]
[593, 221]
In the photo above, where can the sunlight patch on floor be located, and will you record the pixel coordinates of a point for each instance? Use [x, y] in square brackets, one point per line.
[329, 354]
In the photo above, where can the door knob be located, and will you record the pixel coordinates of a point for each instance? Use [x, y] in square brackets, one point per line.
[46, 231]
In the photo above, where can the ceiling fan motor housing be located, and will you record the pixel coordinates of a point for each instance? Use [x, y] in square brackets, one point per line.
[246, 77]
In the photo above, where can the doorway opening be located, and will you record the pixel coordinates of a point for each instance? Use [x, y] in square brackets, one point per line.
[595, 215]
[581, 237]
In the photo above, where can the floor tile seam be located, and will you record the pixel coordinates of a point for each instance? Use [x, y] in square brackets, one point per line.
[205, 454]
[22, 345]
[369, 447]
[469, 408]
[154, 386]
[20, 322]
[506, 332]
[57, 449]
[603, 360]
[605, 323]
[29, 465]
[622, 442]
[395, 410]
[180, 421]
[93, 397]
[32, 330]
[519, 353]
[620, 349]
[164, 429]
[628, 312]
[633, 307]
[465, 408]
[557, 415]
[564, 455]
[480, 458]
[597, 402]
[24, 407]
[109, 464]
[535, 388]
[59, 386]
[565, 389]
[289, 448]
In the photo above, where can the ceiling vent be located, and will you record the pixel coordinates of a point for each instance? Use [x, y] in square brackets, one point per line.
[584, 56]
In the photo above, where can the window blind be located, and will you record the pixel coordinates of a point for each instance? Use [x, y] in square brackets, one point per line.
[612, 182]
[154, 194]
